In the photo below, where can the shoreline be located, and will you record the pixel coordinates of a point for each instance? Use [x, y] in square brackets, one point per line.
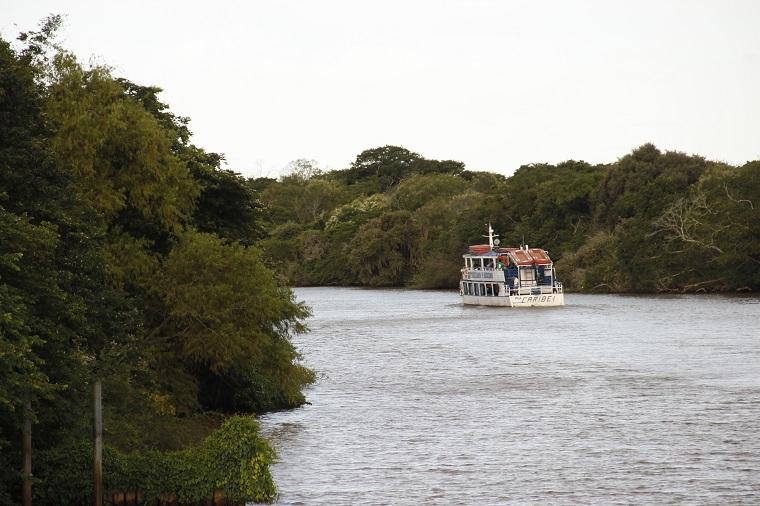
[701, 291]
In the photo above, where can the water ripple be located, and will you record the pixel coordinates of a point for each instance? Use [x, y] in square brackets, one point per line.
[609, 400]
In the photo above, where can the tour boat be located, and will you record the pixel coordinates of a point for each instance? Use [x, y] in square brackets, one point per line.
[511, 277]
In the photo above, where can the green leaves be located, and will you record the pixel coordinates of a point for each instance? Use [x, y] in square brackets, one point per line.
[103, 273]
[119, 152]
[228, 205]
[222, 302]
[384, 249]
[28, 290]
[229, 320]
[233, 460]
[617, 224]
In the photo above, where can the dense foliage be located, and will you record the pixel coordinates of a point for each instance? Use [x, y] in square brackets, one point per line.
[651, 221]
[233, 460]
[129, 256]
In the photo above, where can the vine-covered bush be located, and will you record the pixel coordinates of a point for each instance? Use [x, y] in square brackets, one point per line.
[233, 460]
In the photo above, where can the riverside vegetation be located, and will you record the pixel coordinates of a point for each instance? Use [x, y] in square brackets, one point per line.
[130, 255]
[649, 222]
[127, 255]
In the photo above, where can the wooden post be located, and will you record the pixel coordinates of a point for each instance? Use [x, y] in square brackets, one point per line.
[26, 437]
[97, 469]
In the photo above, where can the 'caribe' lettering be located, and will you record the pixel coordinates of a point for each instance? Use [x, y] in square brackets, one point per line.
[525, 299]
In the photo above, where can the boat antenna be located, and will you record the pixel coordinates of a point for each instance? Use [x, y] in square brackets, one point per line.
[491, 236]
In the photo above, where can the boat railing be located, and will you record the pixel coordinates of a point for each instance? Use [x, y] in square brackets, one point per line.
[539, 286]
[537, 289]
[484, 274]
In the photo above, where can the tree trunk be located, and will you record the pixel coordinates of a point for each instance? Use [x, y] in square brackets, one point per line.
[27, 449]
[97, 469]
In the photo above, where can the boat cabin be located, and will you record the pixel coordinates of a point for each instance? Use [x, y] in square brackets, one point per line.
[493, 271]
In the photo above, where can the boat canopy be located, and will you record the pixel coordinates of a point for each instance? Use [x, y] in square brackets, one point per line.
[532, 256]
[540, 257]
[480, 249]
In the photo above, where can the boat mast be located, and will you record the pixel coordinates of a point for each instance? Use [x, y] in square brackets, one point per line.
[491, 236]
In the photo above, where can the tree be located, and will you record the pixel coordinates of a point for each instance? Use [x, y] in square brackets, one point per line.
[227, 316]
[119, 152]
[301, 171]
[386, 166]
[415, 191]
[228, 204]
[302, 200]
[384, 249]
[713, 228]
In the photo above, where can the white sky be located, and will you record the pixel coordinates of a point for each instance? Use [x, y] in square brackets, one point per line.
[494, 84]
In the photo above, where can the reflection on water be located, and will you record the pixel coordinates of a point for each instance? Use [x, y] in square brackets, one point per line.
[608, 400]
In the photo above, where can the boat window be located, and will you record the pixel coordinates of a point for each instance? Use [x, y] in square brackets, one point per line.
[527, 277]
[488, 289]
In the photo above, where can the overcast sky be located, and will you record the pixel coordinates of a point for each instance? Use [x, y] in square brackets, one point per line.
[494, 84]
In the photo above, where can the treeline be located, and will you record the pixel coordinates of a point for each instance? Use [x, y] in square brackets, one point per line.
[127, 256]
[649, 222]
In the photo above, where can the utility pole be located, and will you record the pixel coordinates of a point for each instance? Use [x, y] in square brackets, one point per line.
[26, 436]
[97, 468]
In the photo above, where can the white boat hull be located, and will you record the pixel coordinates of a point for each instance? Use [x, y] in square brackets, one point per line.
[540, 300]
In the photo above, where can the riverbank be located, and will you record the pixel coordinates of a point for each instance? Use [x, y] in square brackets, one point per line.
[595, 290]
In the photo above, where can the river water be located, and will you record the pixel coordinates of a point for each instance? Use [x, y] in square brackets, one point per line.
[608, 400]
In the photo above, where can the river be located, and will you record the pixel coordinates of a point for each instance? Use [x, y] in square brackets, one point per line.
[608, 400]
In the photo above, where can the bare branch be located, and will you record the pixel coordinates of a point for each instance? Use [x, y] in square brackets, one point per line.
[738, 201]
[683, 221]
[577, 224]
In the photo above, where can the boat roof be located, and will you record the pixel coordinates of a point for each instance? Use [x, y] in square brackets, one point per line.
[520, 256]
